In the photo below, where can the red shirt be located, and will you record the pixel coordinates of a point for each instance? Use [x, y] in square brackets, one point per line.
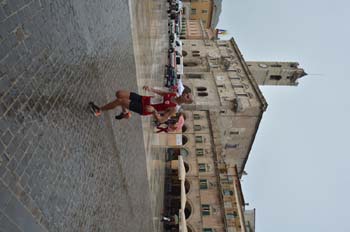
[160, 103]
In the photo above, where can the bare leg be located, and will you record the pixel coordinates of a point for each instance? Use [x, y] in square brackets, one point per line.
[124, 103]
[125, 95]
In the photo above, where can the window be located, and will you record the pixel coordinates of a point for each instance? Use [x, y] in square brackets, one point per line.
[231, 146]
[275, 77]
[202, 94]
[197, 127]
[235, 132]
[195, 53]
[227, 192]
[202, 167]
[205, 210]
[237, 86]
[204, 22]
[242, 95]
[203, 184]
[199, 151]
[190, 64]
[231, 215]
[201, 89]
[276, 65]
[194, 76]
[229, 180]
[193, 10]
[199, 139]
[208, 230]
[183, 152]
[196, 116]
[204, 11]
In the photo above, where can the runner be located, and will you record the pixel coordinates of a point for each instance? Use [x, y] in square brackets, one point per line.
[165, 103]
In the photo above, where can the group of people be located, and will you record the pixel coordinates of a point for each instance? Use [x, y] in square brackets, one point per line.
[164, 106]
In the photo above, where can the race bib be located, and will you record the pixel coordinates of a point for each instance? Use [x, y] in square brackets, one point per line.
[155, 100]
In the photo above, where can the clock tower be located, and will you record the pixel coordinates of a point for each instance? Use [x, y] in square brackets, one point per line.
[276, 73]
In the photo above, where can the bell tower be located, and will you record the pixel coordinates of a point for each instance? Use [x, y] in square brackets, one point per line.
[276, 73]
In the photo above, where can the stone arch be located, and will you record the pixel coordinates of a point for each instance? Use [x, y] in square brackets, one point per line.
[184, 139]
[187, 167]
[188, 209]
[184, 152]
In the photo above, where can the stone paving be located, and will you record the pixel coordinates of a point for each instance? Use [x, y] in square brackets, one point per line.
[61, 169]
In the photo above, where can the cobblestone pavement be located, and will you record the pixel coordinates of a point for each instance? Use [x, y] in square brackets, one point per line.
[61, 169]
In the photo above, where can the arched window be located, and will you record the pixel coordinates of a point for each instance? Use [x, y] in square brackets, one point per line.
[184, 140]
[183, 152]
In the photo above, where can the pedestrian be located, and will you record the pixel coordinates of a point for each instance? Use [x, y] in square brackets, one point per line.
[172, 220]
[174, 124]
[162, 106]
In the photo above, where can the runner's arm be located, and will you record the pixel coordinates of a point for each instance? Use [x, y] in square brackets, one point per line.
[156, 91]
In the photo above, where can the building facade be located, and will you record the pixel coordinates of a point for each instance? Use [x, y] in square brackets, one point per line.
[207, 11]
[221, 127]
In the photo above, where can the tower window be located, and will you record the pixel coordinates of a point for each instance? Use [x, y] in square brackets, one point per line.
[276, 65]
[275, 77]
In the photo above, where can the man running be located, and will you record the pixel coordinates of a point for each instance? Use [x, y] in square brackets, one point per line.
[166, 103]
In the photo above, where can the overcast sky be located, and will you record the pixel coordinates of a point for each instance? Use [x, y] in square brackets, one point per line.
[298, 170]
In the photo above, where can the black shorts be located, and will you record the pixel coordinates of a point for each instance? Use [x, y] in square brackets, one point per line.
[135, 103]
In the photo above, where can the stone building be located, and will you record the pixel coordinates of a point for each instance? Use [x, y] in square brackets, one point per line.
[221, 127]
[207, 11]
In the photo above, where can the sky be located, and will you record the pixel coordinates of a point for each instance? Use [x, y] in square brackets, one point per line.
[298, 170]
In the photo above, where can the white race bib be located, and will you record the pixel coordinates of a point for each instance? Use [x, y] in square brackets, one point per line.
[155, 100]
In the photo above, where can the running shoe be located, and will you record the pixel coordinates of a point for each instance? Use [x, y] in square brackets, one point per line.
[122, 115]
[94, 109]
